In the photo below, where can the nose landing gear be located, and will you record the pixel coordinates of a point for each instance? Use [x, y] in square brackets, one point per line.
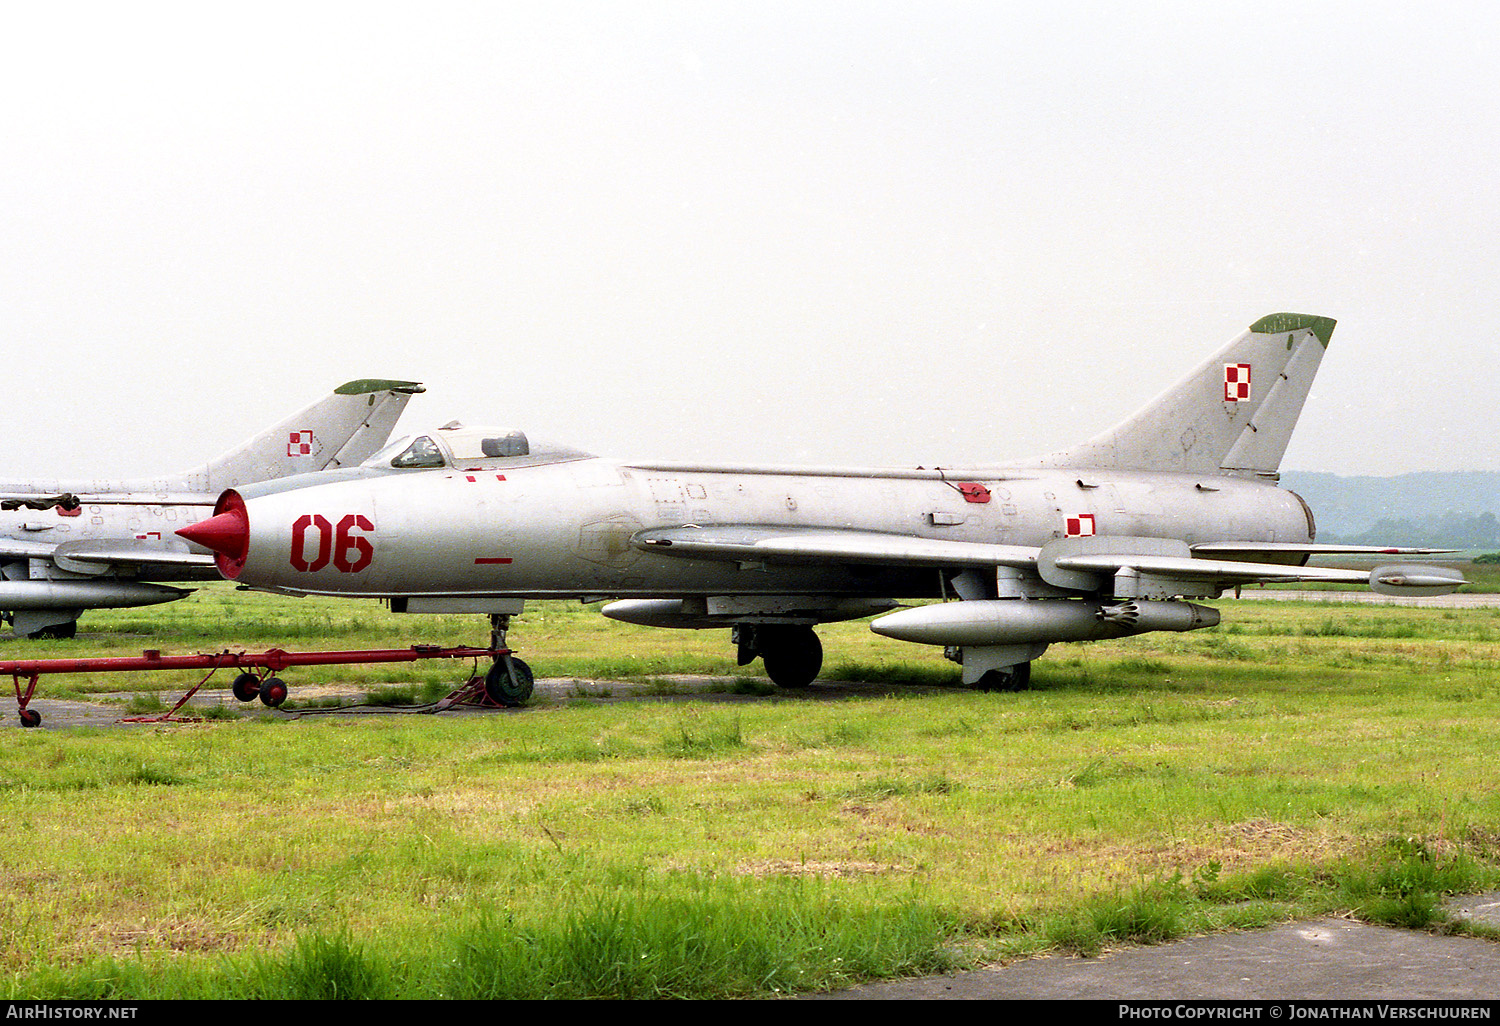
[509, 681]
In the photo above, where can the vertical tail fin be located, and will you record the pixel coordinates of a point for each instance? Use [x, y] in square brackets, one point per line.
[1233, 414]
[342, 429]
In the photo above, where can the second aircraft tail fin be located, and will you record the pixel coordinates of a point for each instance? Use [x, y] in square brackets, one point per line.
[342, 429]
[1233, 414]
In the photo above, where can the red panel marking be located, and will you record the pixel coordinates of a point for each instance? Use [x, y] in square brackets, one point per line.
[472, 479]
[299, 443]
[974, 492]
[1236, 382]
[1081, 526]
[492, 560]
[70, 512]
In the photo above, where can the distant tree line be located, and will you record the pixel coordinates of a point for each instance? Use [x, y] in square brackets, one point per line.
[1442, 531]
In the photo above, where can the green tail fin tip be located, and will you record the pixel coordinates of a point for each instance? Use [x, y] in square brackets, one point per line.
[1275, 323]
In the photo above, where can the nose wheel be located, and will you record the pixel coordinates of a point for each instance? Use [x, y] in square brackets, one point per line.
[509, 682]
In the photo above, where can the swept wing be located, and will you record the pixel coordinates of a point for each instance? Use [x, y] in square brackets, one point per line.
[1171, 568]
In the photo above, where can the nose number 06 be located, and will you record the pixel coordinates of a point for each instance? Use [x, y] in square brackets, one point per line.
[347, 546]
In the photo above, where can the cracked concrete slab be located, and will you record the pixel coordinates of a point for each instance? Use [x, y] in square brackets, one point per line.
[1320, 959]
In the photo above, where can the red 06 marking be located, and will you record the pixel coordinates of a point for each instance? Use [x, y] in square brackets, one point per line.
[348, 551]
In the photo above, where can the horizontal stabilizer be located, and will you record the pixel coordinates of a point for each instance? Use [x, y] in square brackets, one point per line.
[1164, 568]
[1308, 549]
[1220, 572]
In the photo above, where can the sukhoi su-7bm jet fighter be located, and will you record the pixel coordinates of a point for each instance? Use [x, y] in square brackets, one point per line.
[1110, 538]
[67, 546]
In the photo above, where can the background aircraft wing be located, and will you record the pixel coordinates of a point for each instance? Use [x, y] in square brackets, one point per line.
[25, 548]
[98, 555]
[73, 500]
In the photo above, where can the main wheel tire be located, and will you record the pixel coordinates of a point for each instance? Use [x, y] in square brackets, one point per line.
[1013, 678]
[60, 631]
[30, 718]
[502, 690]
[792, 656]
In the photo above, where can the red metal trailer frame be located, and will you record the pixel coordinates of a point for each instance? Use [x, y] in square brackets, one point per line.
[258, 668]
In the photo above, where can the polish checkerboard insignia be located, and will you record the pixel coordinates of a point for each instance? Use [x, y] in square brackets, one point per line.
[299, 443]
[1081, 526]
[1236, 382]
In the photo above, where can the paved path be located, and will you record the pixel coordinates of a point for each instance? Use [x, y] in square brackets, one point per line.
[1321, 959]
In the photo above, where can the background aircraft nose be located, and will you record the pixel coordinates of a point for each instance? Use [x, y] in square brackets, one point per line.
[226, 533]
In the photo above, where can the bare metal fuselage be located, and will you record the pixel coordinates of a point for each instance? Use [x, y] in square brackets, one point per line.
[572, 529]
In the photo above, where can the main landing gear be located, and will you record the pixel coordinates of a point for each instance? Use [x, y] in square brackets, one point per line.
[43, 624]
[996, 667]
[791, 653]
[1010, 678]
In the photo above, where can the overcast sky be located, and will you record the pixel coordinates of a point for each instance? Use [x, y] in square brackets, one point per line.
[894, 233]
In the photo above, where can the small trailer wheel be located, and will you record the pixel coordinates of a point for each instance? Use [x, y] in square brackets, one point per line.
[273, 691]
[245, 687]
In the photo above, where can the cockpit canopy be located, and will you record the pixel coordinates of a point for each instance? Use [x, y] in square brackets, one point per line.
[470, 448]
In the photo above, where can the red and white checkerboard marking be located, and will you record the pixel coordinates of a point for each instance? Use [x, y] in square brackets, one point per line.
[1081, 526]
[1236, 382]
[299, 443]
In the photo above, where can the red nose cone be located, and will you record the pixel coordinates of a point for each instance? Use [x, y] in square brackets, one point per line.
[227, 533]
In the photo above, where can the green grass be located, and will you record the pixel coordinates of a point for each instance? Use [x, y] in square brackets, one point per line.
[717, 939]
[1299, 760]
